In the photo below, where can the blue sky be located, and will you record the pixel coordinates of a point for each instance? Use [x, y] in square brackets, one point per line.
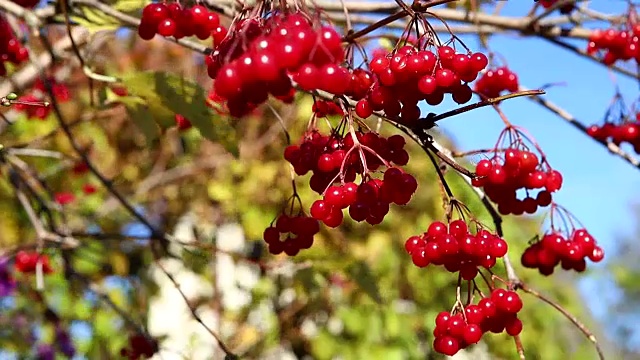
[598, 187]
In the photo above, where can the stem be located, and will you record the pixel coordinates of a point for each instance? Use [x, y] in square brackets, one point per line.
[566, 314]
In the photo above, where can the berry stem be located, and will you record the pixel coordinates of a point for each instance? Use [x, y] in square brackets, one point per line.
[566, 314]
[431, 120]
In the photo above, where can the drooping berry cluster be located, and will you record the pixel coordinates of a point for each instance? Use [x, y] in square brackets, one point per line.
[26, 3]
[369, 201]
[322, 108]
[139, 347]
[182, 123]
[27, 262]
[565, 9]
[456, 248]
[411, 74]
[259, 57]
[512, 169]
[616, 44]
[32, 103]
[495, 81]
[178, 21]
[497, 313]
[336, 161]
[10, 48]
[568, 250]
[290, 234]
[625, 132]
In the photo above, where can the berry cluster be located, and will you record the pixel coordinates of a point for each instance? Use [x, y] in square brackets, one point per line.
[497, 313]
[291, 234]
[494, 81]
[259, 57]
[626, 132]
[456, 248]
[10, 48]
[556, 248]
[64, 198]
[26, 262]
[369, 201]
[78, 169]
[27, 3]
[182, 123]
[337, 160]
[565, 9]
[140, 346]
[32, 105]
[179, 21]
[323, 108]
[514, 169]
[409, 75]
[623, 44]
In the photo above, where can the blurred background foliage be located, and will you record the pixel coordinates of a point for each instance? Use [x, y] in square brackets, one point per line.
[357, 276]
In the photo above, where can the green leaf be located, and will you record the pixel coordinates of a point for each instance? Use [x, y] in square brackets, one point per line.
[128, 6]
[94, 20]
[144, 120]
[361, 273]
[186, 98]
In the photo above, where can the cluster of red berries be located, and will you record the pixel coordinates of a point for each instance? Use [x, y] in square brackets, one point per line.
[32, 105]
[26, 3]
[322, 108]
[64, 198]
[456, 248]
[409, 75]
[27, 262]
[497, 313]
[565, 9]
[10, 48]
[369, 201]
[180, 21]
[623, 44]
[259, 57]
[325, 156]
[139, 347]
[494, 81]
[626, 132]
[290, 234]
[182, 123]
[556, 249]
[337, 160]
[502, 177]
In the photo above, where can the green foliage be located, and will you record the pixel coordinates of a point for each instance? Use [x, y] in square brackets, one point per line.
[169, 94]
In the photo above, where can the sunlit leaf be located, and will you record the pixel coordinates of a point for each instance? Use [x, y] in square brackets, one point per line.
[186, 98]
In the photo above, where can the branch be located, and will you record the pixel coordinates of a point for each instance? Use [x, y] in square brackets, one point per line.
[566, 116]
[566, 314]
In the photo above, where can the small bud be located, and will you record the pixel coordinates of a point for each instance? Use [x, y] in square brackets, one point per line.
[12, 96]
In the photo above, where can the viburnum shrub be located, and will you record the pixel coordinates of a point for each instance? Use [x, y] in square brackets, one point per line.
[274, 53]
[566, 243]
